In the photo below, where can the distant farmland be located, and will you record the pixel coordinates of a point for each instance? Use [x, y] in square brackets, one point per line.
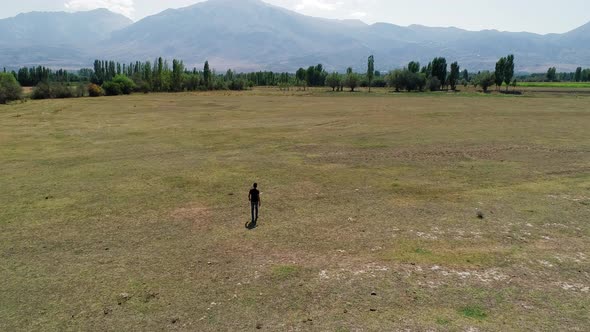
[573, 85]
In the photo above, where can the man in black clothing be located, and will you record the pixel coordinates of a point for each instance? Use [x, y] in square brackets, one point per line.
[255, 202]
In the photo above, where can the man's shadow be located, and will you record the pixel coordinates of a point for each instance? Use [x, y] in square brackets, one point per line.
[251, 225]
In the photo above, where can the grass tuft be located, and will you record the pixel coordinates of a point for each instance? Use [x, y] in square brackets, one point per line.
[284, 272]
[474, 312]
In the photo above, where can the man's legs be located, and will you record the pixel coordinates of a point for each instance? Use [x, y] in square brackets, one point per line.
[253, 205]
[256, 211]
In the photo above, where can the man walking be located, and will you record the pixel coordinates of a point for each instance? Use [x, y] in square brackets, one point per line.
[255, 202]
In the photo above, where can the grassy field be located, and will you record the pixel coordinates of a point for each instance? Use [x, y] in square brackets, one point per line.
[554, 84]
[129, 213]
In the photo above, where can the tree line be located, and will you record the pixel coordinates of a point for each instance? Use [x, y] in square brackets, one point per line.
[109, 77]
[580, 75]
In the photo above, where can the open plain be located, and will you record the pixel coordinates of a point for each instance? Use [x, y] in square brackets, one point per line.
[380, 212]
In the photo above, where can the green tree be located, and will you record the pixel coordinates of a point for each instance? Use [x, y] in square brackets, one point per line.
[414, 66]
[352, 80]
[499, 73]
[370, 70]
[404, 79]
[10, 89]
[484, 79]
[207, 77]
[552, 74]
[395, 80]
[333, 81]
[159, 73]
[301, 74]
[120, 84]
[509, 70]
[466, 75]
[454, 75]
[438, 69]
[177, 75]
[578, 75]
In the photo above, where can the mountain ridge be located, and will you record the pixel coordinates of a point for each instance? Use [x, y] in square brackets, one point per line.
[253, 35]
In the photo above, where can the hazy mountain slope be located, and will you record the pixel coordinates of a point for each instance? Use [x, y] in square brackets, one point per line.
[248, 31]
[253, 35]
[47, 28]
[56, 38]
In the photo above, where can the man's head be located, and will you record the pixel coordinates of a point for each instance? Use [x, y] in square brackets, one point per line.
[255, 185]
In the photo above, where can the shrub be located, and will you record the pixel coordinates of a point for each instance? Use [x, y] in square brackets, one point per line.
[379, 82]
[61, 91]
[333, 80]
[45, 90]
[112, 89]
[41, 91]
[406, 80]
[352, 81]
[127, 85]
[81, 90]
[120, 85]
[9, 88]
[433, 84]
[142, 86]
[485, 80]
[95, 90]
[237, 84]
[219, 85]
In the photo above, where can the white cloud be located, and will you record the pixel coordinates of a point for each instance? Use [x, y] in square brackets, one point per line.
[317, 4]
[125, 7]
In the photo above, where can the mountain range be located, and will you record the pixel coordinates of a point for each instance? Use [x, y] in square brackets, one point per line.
[249, 35]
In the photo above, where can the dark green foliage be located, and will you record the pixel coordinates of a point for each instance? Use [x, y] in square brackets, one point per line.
[218, 85]
[465, 75]
[120, 85]
[370, 70]
[438, 69]
[333, 81]
[552, 74]
[42, 91]
[351, 80]
[414, 66]
[508, 70]
[379, 82]
[238, 84]
[46, 90]
[313, 76]
[484, 79]
[578, 75]
[177, 75]
[207, 75]
[32, 76]
[433, 84]
[404, 79]
[112, 89]
[454, 75]
[60, 90]
[9, 88]
[300, 74]
[499, 73]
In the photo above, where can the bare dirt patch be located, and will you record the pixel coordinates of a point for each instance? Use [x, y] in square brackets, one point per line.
[197, 214]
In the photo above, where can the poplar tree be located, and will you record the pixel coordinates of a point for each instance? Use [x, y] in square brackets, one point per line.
[207, 75]
[499, 74]
[508, 70]
[454, 76]
[370, 71]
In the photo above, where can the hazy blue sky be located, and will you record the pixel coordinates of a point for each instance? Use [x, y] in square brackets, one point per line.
[540, 16]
